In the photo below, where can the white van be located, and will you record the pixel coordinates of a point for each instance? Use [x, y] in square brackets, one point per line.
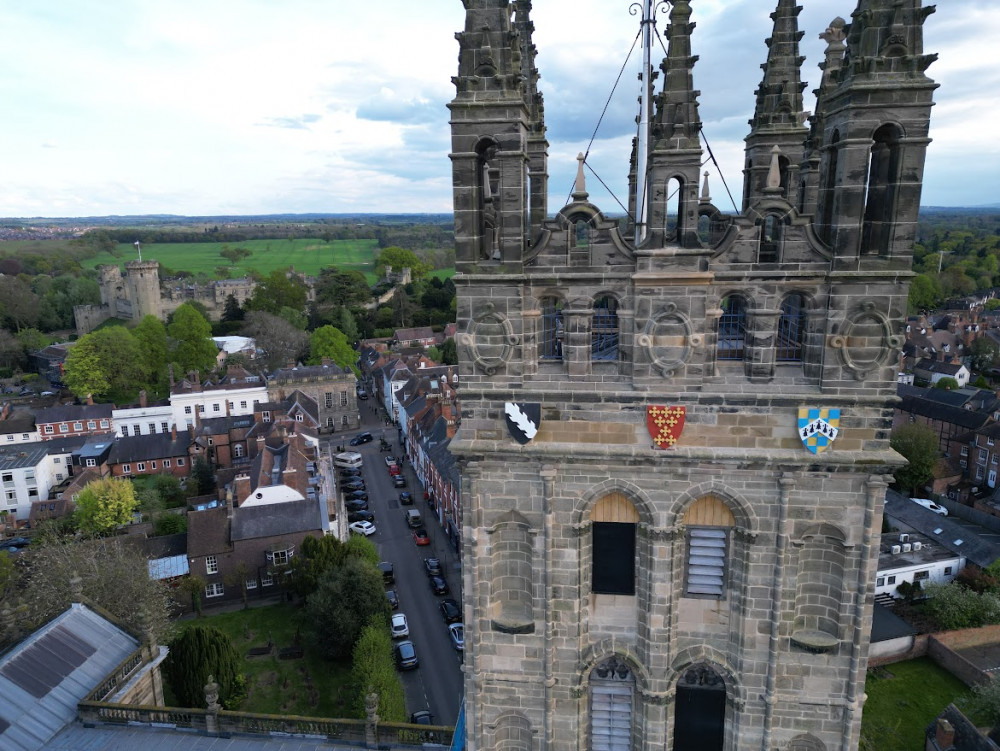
[413, 519]
[348, 460]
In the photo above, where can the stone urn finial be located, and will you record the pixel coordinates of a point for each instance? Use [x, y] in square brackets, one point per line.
[212, 694]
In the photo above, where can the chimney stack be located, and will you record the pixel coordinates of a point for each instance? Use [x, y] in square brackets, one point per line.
[143, 400]
[944, 734]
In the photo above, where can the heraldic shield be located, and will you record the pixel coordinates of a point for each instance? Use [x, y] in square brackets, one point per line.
[665, 425]
[522, 420]
[818, 428]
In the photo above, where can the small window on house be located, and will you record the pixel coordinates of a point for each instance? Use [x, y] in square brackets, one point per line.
[343, 398]
[215, 589]
[251, 584]
[732, 328]
[243, 405]
[211, 564]
[211, 441]
[266, 580]
[604, 330]
[982, 455]
[551, 346]
[164, 427]
[125, 431]
[187, 410]
[91, 425]
[965, 451]
[298, 417]
[947, 570]
[330, 423]
[77, 426]
[216, 408]
[48, 430]
[57, 460]
[708, 522]
[265, 416]
[237, 450]
[24, 436]
[166, 464]
[63, 427]
[91, 462]
[980, 473]
[136, 429]
[344, 421]
[10, 436]
[201, 407]
[152, 465]
[891, 580]
[140, 467]
[152, 428]
[919, 576]
[104, 424]
[281, 557]
[880, 581]
[126, 469]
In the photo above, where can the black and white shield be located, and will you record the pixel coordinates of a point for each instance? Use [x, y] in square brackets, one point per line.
[522, 420]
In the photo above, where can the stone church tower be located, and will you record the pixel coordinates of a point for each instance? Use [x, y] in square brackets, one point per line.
[676, 452]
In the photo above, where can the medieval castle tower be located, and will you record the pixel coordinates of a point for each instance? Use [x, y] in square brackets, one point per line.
[675, 436]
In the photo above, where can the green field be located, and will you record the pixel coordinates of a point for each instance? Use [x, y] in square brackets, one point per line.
[305, 255]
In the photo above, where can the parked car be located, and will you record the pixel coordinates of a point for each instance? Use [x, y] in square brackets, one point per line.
[406, 498]
[420, 537]
[390, 460]
[356, 505]
[438, 585]
[354, 484]
[456, 631]
[432, 566]
[927, 503]
[362, 528]
[350, 473]
[361, 516]
[398, 481]
[422, 717]
[394, 470]
[393, 598]
[356, 495]
[362, 438]
[450, 611]
[399, 627]
[388, 573]
[362, 394]
[406, 656]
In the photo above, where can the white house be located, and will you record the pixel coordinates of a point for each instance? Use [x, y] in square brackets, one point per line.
[27, 473]
[233, 396]
[913, 557]
[933, 371]
[143, 420]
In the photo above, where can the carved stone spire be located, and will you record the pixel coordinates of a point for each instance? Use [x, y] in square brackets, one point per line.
[677, 119]
[778, 119]
[538, 146]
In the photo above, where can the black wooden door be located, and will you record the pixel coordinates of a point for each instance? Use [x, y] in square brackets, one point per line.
[699, 719]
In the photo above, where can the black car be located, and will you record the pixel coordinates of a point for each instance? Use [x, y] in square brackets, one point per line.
[388, 576]
[432, 566]
[350, 473]
[360, 516]
[356, 505]
[362, 394]
[406, 656]
[353, 485]
[362, 438]
[438, 585]
[450, 611]
[398, 481]
[422, 717]
[356, 495]
[406, 498]
[393, 598]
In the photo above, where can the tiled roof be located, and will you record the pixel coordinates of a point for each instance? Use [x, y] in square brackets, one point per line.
[71, 412]
[274, 519]
[943, 413]
[142, 448]
[208, 531]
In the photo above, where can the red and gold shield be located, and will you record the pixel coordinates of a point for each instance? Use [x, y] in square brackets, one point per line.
[665, 425]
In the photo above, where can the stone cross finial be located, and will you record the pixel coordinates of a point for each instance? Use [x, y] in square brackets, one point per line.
[774, 172]
[706, 197]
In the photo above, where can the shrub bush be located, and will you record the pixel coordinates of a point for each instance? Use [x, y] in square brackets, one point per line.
[953, 606]
[374, 670]
[200, 652]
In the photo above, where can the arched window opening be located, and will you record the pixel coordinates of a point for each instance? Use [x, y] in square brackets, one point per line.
[552, 329]
[604, 329]
[829, 187]
[237, 450]
[784, 171]
[791, 329]
[708, 522]
[770, 239]
[612, 688]
[705, 229]
[488, 189]
[674, 206]
[732, 328]
[700, 710]
[580, 236]
[883, 180]
[613, 521]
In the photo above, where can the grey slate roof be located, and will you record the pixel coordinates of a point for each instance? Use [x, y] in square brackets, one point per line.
[273, 519]
[978, 544]
[43, 678]
[73, 412]
[942, 412]
[886, 625]
[140, 448]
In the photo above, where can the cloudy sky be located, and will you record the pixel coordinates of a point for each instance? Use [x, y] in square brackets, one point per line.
[204, 107]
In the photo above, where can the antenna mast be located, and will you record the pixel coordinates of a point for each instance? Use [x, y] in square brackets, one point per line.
[642, 146]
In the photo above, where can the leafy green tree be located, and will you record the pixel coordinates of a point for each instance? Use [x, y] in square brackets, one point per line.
[169, 524]
[296, 318]
[919, 446]
[319, 555]
[925, 292]
[327, 341]
[203, 476]
[280, 342]
[373, 671]
[985, 702]
[953, 606]
[342, 289]
[399, 259]
[169, 489]
[151, 335]
[191, 337]
[983, 355]
[198, 653]
[19, 306]
[449, 353]
[946, 384]
[276, 291]
[232, 311]
[33, 340]
[113, 574]
[106, 363]
[347, 598]
[194, 585]
[105, 504]
[83, 371]
[235, 255]
[348, 325]
[992, 304]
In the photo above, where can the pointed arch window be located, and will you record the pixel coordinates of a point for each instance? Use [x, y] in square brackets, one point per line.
[708, 522]
[732, 328]
[829, 187]
[604, 329]
[614, 521]
[552, 329]
[791, 329]
[880, 201]
[770, 239]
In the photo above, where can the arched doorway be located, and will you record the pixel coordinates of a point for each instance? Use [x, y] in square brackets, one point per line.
[700, 710]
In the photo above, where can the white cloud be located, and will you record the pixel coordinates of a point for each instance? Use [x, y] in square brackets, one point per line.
[261, 106]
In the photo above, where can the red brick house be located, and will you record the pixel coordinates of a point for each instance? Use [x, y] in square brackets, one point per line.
[65, 420]
[160, 453]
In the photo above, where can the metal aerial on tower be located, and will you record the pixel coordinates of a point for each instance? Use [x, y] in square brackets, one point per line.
[648, 9]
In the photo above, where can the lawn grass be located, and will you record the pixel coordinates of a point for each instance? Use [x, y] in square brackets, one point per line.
[903, 699]
[310, 687]
[304, 254]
